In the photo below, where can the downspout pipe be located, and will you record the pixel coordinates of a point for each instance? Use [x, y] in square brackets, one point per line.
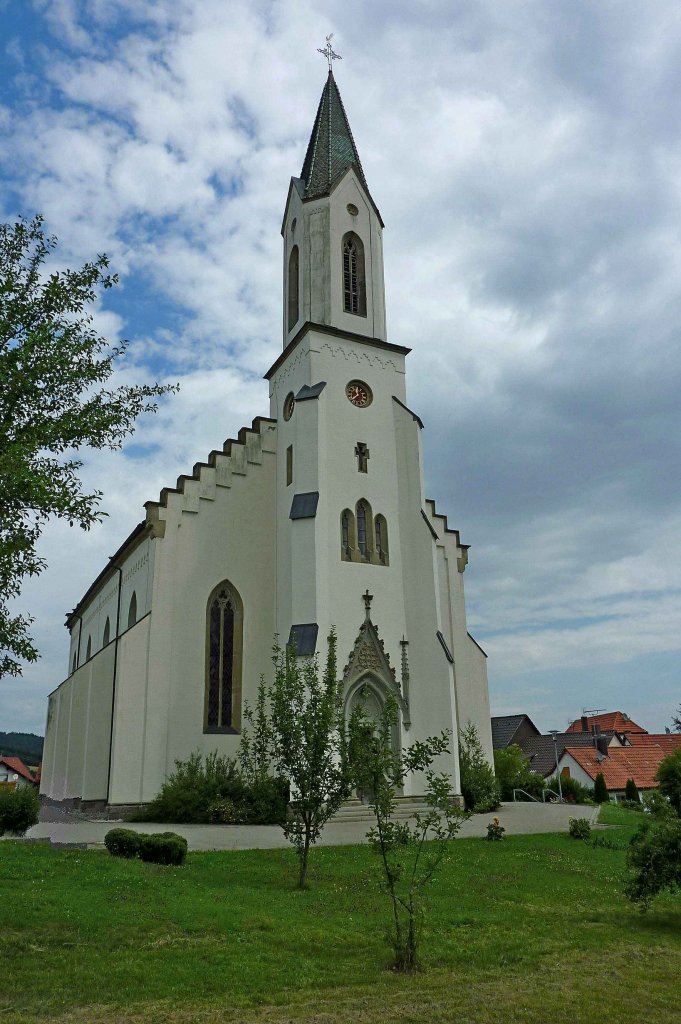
[113, 684]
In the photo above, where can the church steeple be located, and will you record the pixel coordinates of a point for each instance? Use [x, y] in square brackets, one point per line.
[331, 149]
[332, 230]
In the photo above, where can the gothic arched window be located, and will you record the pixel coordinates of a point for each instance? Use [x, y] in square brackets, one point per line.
[293, 288]
[347, 535]
[354, 283]
[132, 610]
[107, 632]
[74, 665]
[381, 539]
[224, 636]
[88, 649]
[364, 529]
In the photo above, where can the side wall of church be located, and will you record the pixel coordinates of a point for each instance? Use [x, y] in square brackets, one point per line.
[217, 526]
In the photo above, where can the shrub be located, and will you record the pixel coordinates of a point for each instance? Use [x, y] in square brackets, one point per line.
[657, 805]
[163, 848]
[478, 784]
[19, 809]
[606, 842]
[122, 842]
[580, 828]
[512, 770]
[212, 790]
[573, 792]
[631, 792]
[669, 776]
[655, 858]
[495, 830]
[631, 805]
[600, 793]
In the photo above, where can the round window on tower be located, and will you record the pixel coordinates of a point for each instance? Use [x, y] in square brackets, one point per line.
[359, 393]
[289, 405]
[352, 209]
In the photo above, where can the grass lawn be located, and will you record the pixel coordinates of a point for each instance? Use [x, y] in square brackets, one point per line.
[613, 814]
[533, 929]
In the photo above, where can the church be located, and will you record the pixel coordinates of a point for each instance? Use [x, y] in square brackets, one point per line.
[311, 518]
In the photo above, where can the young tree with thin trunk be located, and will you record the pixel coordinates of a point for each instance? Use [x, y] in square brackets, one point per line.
[309, 744]
[52, 365]
[410, 852]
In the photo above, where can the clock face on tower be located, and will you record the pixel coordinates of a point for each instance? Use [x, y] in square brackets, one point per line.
[358, 393]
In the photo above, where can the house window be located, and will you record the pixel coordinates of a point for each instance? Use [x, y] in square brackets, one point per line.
[107, 632]
[354, 284]
[132, 610]
[289, 465]
[293, 304]
[224, 634]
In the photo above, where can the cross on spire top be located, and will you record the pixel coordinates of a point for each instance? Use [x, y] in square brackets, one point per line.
[368, 598]
[328, 51]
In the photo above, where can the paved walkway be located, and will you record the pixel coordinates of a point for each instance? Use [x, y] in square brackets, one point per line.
[517, 819]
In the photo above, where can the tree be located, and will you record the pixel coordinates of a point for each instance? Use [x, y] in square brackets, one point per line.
[676, 720]
[309, 744]
[601, 795]
[512, 769]
[52, 365]
[669, 776]
[478, 784]
[655, 857]
[409, 853]
[631, 791]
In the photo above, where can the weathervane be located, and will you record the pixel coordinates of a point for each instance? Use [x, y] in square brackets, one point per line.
[328, 51]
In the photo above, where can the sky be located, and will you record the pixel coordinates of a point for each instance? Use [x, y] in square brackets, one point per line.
[525, 158]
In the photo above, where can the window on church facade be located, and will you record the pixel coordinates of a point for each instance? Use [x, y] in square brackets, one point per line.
[74, 664]
[364, 527]
[223, 661]
[107, 632]
[381, 537]
[132, 610]
[293, 288]
[289, 465]
[347, 535]
[88, 649]
[354, 284]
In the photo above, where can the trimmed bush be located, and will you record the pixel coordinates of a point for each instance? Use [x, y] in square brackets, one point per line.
[19, 809]
[600, 795]
[580, 828]
[122, 842]
[631, 792]
[163, 848]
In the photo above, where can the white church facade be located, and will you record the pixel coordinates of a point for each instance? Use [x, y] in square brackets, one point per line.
[312, 518]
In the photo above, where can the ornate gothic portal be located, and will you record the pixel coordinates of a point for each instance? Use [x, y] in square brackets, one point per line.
[369, 677]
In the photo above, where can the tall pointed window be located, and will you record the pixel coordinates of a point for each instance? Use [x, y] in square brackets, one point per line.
[88, 649]
[354, 284]
[107, 632]
[132, 610]
[364, 529]
[293, 289]
[222, 710]
[381, 538]
[347, 535]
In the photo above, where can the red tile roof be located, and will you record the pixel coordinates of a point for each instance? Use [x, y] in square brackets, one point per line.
[668, 741]
[15, 764]
[639, 763]
[616, 721]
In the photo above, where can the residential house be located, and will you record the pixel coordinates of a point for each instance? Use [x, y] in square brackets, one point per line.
[14, 774]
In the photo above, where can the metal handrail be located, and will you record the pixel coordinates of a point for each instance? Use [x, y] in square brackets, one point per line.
[553, 793]
[524, 791]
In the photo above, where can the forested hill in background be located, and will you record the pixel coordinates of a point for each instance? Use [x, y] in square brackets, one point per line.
[25, 745]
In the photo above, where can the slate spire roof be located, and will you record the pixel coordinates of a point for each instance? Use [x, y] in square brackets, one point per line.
[331, 149]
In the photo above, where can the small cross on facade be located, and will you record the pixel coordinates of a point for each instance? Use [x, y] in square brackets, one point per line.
[328, 51]
[362, 453]
[368, 598]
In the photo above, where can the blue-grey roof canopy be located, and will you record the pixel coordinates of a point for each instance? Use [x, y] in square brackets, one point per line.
[331, 149]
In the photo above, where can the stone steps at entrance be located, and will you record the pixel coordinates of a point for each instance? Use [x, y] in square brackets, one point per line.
[355, 810]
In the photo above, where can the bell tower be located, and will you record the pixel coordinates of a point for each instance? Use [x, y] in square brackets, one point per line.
[332, 231]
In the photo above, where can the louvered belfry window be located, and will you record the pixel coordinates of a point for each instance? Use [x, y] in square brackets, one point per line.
[220, 661]
[350, 276]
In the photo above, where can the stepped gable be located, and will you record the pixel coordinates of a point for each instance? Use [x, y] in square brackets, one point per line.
[242, 449]
[462, 561]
